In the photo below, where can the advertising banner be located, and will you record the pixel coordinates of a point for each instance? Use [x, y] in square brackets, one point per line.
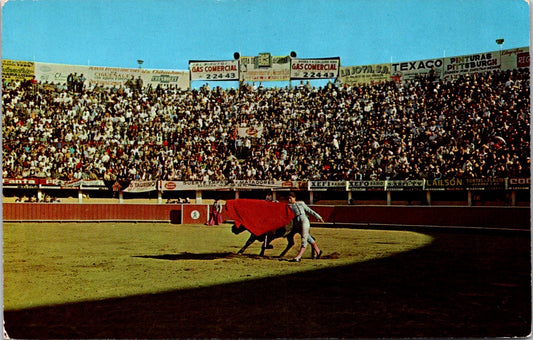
[84, 184]
[214, 70]
[370, 185]
[253, 131]
[218, 185]
[291, 185]
[326, 68]
[111, 76]
[519, 184]
[167, 78]
[412, 69]
[15, 70]
[255, 184]
[20, 183]
[365, 74]
[44, 183]
[209, 185]
[485, 183]
[444, 184]
[514, 58]
[404, 185]
[522, 60]
[471, 63]
[279, 69]
[49, 183]
[57, 73]
[326, 185]
[141, 186]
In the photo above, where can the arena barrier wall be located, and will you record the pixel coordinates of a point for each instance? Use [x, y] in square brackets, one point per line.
[479, 217]
[92, 212]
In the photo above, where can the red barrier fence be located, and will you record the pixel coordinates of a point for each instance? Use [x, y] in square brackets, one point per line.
[483, 217]
[91, 212]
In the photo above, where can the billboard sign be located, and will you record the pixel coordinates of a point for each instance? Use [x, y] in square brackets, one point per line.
[252, 70]
[471, 63]
[320, 68]
[365, 74]
[514, 58]
[111, 76]
[412, 69]
[216, 70]
[16, 70]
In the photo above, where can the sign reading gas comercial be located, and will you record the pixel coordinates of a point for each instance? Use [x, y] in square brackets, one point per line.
[320, 68]
[214, 70]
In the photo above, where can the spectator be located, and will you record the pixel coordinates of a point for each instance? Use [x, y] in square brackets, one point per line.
[215, 216]
[418, 129]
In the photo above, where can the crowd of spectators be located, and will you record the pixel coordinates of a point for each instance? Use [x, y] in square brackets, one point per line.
[471, 126]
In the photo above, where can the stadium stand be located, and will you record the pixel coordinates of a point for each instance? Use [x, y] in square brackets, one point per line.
[473, 126]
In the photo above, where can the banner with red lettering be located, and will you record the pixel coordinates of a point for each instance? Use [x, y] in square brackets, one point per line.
[141, 186]
[522, 60]
[319, 68]
[214, 70]
[515, 58]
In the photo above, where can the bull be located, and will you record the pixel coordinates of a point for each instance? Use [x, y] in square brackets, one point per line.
[287, 232]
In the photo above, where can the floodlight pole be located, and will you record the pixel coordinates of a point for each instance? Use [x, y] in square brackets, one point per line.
[292, 55]
[237, 56]
[500, 42]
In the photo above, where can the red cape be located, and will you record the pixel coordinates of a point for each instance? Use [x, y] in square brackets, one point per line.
[259, 216]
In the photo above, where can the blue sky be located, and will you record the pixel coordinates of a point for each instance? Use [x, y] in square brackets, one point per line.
[166, 34]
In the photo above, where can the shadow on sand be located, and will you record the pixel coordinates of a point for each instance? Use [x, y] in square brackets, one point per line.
[188, 256]
[461, 285]
[204, 256]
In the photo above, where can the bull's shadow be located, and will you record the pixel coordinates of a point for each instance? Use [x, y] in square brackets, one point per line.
[204, 256]
[188, 256]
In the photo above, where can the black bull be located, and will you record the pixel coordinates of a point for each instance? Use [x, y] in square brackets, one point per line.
[287, 231]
